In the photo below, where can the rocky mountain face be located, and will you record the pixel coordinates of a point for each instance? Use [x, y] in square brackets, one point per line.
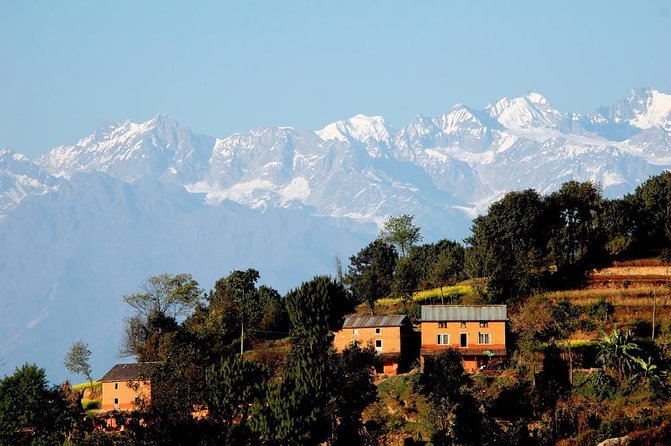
[84, 224]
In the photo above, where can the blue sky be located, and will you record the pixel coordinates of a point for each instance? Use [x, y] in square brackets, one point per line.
[221, 67]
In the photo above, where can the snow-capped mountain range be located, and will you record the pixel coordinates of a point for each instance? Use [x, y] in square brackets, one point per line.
[362, 168]
[88, 222]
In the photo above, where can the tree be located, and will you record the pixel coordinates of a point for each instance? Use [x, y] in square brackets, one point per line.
[28, 405]
[448, 266]
[508, 246]
[653, 200]
[351, 392]
[296, 410]
[162, 300]
[233, 387]
[167, 295]
[445, 383]
[77, 360]
[406, 279]
[371, 272]
[574, 210]
[401, 232]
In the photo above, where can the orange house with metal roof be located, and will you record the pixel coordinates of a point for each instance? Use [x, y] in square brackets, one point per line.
[389, 334]
[478, 332]
[127, 386]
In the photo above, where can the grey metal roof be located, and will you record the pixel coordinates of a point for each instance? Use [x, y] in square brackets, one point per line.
[129, 372]
[381, 320]
[464, 313]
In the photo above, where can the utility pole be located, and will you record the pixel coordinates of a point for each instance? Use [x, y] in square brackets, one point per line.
[242, 337]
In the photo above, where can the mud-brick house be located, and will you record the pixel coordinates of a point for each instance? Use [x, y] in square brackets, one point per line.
[127, 386]
[478, 332]
[390, 334]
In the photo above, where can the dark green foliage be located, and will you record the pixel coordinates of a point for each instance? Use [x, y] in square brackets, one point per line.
[508, 246]
[574, 212]
[406, 279]
[296, 410]
[653, 199]
[552, 382]
[233, 387]
[351, 392]
[371, 272]
[445, 383]
[31, 412]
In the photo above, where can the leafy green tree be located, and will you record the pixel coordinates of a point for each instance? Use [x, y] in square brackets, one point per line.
[406, 279]
[371, 272]
[166, 294]
[654, 205]
[508, 246]
[162, 300]
[448, 266]
[401, 232]
[30, 408]
[617, 223]
[574, 210]
[77, 360]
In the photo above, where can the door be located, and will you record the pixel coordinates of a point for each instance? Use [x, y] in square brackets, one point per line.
[463, 340]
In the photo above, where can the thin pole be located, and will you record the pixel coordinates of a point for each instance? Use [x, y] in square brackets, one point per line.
[242, 337]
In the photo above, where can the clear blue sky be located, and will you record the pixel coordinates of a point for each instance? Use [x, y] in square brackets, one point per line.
[221, 67]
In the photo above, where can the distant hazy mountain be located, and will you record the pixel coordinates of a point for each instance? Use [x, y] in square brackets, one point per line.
[85, 224]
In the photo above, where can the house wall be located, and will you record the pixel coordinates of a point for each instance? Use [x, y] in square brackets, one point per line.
[473, 354]
[390, 336]
[126, 393]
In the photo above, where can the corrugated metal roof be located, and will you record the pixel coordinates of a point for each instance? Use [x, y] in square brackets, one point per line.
[128, 372]
[380, 320]
[464, 313]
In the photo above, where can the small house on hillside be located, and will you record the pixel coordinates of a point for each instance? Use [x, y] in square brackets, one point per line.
[390, 334]
[127, 386]
[478, 332]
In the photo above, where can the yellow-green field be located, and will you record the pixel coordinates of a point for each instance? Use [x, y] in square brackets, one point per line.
[448, 292]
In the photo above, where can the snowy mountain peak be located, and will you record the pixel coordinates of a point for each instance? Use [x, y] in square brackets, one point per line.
[160, 147]
[650, 108]
[530, 111]
[361, 128]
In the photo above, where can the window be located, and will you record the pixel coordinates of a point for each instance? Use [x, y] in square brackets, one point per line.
[137, 401]
[484, 324]
[443, 339]
[378, 330]
[442, 324]
[116, 403]
[355, 331]
[462, 324]
[116, 386]
[484, 338]
[463, 340]
[378, 344]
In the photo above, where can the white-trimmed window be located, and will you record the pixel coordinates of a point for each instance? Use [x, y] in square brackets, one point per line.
[484, 338]
[484, 324]
[355, 331]
[443, 339]
[442, 324]
[378, 330]
[116, 386]
[378, 344]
